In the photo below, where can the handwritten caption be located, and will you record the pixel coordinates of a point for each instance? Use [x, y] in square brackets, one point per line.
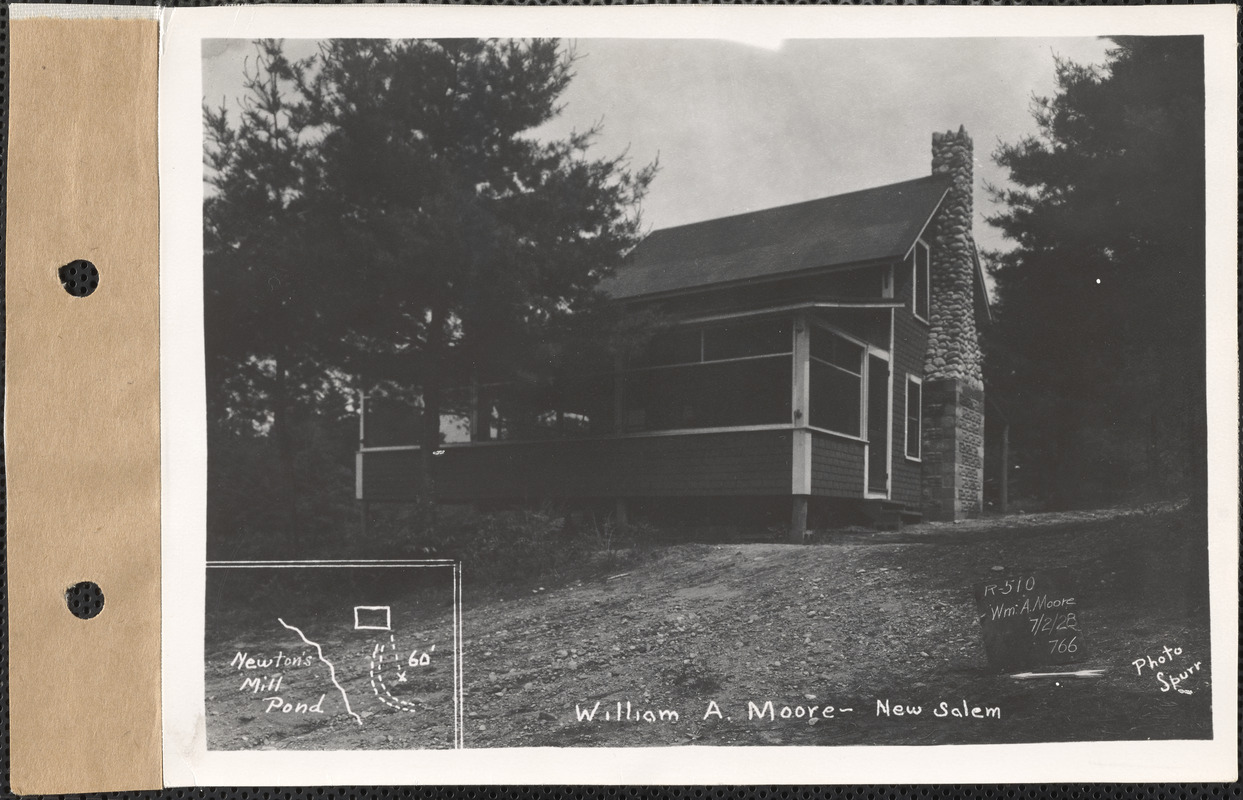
[773, 711]
[1169, 681]
[1031, 619]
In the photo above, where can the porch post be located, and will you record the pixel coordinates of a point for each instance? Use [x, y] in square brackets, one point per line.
[798, 520]
[800, 455]
[800, 389]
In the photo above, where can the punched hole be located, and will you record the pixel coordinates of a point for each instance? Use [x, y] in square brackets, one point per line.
[85, 599]
[79, 278]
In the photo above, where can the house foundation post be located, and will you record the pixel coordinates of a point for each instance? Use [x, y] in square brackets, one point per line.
[798, 519]
[622, 516]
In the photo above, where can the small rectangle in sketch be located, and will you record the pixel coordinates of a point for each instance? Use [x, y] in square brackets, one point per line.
[372, 618]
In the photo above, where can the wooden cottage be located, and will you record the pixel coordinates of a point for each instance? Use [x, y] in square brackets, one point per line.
[824, 361]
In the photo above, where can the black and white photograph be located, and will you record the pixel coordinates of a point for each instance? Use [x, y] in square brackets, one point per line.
[670, 392]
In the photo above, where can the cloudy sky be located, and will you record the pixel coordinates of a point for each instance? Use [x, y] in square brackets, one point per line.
[739, 126]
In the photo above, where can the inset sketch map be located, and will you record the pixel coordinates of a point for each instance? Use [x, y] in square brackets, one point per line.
[333, 656]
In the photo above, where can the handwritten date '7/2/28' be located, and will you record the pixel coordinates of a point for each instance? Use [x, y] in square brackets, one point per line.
[1046, 623]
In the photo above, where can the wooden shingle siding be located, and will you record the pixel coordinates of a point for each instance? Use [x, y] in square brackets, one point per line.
[910, 344]
[836, 466]
[720, 464]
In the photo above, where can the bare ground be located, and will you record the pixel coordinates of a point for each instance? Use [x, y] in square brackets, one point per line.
[854, 621]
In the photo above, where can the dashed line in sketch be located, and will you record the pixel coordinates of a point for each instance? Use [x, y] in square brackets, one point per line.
[332, 672]
[377, 674]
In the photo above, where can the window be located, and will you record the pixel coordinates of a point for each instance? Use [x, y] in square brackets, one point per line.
[836, 383]
[676, 347]
[721, 343]
[712, 395]
[389, 421]
[914, 416]
[718, 377]
[742, 340]
[577, 406]
[919, 261]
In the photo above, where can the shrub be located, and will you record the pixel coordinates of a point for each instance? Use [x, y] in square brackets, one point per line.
[518, 546]
[509, 546]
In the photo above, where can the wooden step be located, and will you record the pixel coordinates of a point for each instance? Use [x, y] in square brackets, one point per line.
[887, 521]
[888, 515]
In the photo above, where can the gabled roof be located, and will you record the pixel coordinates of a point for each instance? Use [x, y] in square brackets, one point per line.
[870, 225]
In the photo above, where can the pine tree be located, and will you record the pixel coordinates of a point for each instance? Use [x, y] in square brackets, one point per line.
[260, 302]
[423, 233]
[1100, 341]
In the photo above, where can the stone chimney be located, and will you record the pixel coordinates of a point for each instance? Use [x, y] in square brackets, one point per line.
[953, 389]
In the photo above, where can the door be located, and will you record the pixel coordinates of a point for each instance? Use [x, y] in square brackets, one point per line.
[878, 425]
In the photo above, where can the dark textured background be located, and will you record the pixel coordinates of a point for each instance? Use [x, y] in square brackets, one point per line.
[1075, 792]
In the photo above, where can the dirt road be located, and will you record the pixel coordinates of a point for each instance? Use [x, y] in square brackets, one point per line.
[705, 637]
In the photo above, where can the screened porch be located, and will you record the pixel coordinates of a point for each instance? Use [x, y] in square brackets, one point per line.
[789, 401]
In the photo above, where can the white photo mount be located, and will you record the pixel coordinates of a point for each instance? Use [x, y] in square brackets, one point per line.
[183, 80]
[139, 340]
